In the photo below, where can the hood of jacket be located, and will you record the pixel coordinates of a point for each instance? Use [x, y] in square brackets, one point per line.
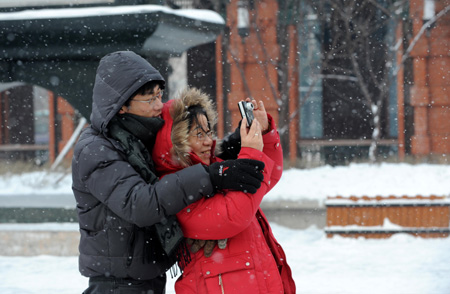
[172, 152]
[118, 76]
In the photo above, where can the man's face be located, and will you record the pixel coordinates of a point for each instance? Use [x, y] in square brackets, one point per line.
[148, 105]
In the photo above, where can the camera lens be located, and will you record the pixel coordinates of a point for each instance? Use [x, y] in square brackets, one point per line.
[249, 105]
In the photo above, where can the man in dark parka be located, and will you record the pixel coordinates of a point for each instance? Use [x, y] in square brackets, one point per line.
[120, 202]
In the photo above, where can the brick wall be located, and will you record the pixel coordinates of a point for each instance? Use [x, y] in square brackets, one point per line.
[431, 80]
[429, 93]
[248, 57]
[253, 61]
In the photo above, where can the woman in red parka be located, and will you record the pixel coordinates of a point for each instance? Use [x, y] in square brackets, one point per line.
[253, 261]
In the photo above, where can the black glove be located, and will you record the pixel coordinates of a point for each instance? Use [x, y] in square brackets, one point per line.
[231, 145]
[239, 174]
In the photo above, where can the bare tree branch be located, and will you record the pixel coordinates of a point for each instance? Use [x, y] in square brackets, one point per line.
[242, 73]
[419, 34]
[368, 63]
[385, 10]
[338, 77]
[380, 7]
[356, 68]
[264, 67]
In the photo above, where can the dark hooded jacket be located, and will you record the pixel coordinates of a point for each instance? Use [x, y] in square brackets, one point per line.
[116, 207]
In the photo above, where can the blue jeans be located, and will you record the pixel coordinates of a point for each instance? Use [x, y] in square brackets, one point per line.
[104, 285]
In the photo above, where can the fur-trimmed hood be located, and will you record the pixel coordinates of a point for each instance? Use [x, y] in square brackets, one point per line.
[172, 151]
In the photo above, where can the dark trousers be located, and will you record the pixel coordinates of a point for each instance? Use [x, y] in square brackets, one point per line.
[103, 285]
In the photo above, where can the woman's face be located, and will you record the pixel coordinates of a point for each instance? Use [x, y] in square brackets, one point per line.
[201, 139]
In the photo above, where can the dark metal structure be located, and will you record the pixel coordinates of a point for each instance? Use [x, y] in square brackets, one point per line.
[59, 48]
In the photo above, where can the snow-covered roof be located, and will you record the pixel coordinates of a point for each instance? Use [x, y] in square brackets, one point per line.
[28, 3]
[43, 43]
[195, 14]
[68, 33]
[6, 86]
[388, 202]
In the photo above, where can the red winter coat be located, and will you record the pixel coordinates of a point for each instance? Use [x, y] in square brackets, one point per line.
[253, 261]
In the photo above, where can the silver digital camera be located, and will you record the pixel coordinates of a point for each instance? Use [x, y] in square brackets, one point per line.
[246, 110]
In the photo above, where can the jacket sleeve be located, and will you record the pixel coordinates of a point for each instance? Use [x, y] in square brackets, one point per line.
[231, 145]
[225, 215]
[272, 148]
[112, 180]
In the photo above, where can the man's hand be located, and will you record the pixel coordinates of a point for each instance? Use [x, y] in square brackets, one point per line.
[239, 174]
[207, 245]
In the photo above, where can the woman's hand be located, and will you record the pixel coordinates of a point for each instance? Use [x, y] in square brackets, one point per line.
[251, 137]
[259, 112]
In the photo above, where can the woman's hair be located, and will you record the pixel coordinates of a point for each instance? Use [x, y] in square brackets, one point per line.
[193, 112]
[185, 110]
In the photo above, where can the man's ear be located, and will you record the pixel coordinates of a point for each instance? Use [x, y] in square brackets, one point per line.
[123, 110]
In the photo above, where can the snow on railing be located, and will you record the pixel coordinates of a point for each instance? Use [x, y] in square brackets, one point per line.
[380, 217]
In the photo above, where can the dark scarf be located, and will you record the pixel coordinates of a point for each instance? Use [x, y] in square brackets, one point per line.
[137, 136]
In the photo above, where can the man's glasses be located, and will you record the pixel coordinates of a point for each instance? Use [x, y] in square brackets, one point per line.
[201, 135]
[153, 98]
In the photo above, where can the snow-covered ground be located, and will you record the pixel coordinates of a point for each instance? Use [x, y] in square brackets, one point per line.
[295, 185]
[362, 180]
[400, 264]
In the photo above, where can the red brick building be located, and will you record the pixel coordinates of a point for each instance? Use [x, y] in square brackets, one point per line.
[430, 93]
[422, 110]
[248, 57]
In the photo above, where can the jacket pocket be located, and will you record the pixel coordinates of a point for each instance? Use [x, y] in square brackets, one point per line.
[234, 274]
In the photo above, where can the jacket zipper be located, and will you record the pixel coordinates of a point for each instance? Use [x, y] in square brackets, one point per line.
[130, 249]
[221, 283]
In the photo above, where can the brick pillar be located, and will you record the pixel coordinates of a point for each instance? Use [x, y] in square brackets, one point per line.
[219, 88]
[294, 110]
[420, 100]
[252, 71]
[400, 102]
[421, 140]
[253, 63]
[430, 95]
[67, 114]
[52, 127]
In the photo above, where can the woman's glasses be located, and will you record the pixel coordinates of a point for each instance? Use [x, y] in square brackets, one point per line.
[201, 135]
